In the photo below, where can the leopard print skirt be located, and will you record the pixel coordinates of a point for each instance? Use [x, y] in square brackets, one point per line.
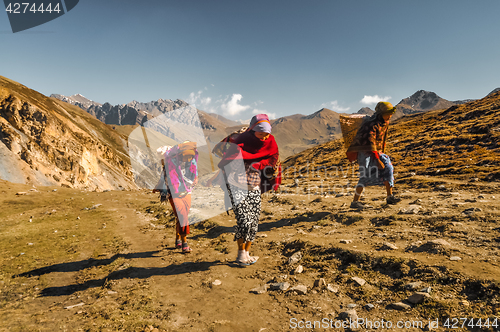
[247, 205]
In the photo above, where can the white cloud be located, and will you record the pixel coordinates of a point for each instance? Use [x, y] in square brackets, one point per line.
[196, 99]
[334, 106]
[369, 100]
[232, 107]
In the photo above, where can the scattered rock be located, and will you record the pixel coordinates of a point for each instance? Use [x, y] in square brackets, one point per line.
[301, 231]
[433, 246]
[471, 211]
[418, 297]
[74, 306]
[260, 290]
[332, 288]
[426, 290]
[346, 241]
[413, 285]
[295, 258]
[411, 209]
[455, 258]
[320, 283]
[21, 193]
[216, 282]
[441, 187]
[350, 315]
[298, 270]
[110, 292]
[440, 242]
[465, 303]
[282, 286]
[400, 306]
[359, 281]
[369, 307]
[351, 305]
[299, 289]
[261, 235]
[388, 246]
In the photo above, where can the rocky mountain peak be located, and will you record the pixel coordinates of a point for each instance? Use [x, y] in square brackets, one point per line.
[421, 101]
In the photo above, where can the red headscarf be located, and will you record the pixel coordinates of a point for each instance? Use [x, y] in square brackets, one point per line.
[256, 152]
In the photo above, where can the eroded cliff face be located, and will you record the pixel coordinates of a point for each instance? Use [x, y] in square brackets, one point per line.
[47, 142]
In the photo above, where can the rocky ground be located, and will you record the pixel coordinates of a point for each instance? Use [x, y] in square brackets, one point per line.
[104, 261]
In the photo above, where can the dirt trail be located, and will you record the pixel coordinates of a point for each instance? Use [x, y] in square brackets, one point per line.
[123, 274]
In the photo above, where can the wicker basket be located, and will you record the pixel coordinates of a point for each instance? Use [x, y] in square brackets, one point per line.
[350, 125]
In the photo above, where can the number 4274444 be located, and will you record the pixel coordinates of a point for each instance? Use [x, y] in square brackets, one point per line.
[459, 323]
[26, 8]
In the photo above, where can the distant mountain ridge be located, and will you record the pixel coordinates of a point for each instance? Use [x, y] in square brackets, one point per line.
[138, 113]
[294, 133]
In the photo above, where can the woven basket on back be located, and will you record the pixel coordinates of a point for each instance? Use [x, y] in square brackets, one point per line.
[350, 125]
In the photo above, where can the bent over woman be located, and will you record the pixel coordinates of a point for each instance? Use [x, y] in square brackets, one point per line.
[258, 151]
[181, 172]
[368, 148]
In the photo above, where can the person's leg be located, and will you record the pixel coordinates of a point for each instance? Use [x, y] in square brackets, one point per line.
[178, 242]
[388, 188]
[181, 206]
[357, 194]
[255, 206]
[241, 250]
[248, 244]
[388, 178]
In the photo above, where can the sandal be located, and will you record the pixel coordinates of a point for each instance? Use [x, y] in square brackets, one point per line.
[242, 262]
[178, 244]
[253, 259]
[186, 249]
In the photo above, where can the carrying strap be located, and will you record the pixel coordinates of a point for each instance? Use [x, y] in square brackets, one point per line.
[256, 123]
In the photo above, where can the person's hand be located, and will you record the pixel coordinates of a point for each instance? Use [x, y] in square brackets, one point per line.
[195, 182]
[380, 164]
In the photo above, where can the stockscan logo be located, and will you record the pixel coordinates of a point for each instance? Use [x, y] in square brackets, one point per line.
[26, 15]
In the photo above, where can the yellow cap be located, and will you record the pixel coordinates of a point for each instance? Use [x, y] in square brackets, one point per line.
[385, 107]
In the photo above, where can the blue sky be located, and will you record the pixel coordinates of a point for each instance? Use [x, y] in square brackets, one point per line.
[237, 58]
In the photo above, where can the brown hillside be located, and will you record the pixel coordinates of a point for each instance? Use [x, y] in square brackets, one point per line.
[45, 142]
[296, 133]
[461, 141]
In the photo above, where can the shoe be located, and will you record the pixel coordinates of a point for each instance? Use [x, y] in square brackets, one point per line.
[360, 206]
[178, 244]
[186, 249]
[393, 199]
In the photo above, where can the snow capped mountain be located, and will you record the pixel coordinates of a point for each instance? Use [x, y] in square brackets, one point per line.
[77, 100]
